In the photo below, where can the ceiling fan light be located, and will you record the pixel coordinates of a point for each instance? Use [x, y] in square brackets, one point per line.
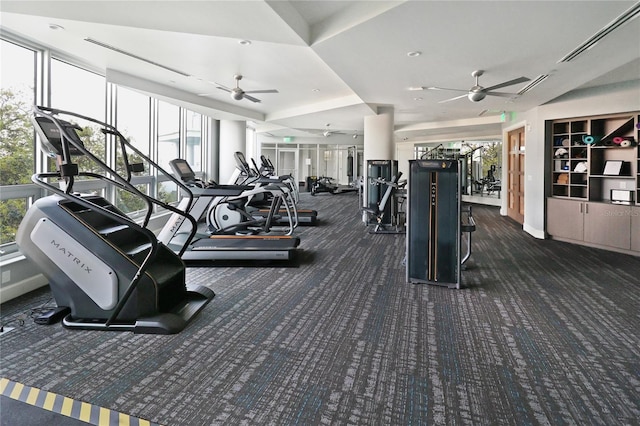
[476, 96]
[236, 95]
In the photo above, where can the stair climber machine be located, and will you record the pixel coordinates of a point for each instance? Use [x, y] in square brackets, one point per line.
[110, 272]
[230, 233]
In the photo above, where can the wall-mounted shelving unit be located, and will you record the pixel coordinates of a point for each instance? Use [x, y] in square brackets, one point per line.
[594, 182]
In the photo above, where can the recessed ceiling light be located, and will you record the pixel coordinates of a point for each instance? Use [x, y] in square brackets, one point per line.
[414, 54]
[245, 42]
[55, 27]
[417, 99]
[315, 90]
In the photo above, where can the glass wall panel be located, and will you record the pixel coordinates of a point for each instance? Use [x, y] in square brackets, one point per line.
[82, 92]
[193, 149]
[308, 164]
[133, 112]
[12, 212]
[269, 151]
[129, 202]
[168, 133]
[481, 163]
[333, 162]
[168, 146]
[17, 164]
[287, 162]
[16, 97]
[132, 118]
[77, 90]
[168, 192]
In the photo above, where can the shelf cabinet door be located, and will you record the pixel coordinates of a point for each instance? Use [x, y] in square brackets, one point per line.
[607, 224]
[635, 229]
[565, 218]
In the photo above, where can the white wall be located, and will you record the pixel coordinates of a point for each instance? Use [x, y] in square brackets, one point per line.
[404, 153]
[233, 138]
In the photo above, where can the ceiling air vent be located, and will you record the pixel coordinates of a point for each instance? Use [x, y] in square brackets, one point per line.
[115, 49]
[608, 29]
[539, 79]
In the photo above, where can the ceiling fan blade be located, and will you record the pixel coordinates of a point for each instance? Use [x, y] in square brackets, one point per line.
[508, 83]
[226, 89]
[218, 84]
[490, 112]
[251, 98]
[502, 94]
[453, 99]
[262, 91]
[444, 88]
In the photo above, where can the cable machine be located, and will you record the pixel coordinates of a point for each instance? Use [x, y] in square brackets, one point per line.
[379, 170]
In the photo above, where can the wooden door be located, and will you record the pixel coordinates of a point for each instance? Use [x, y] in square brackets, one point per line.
[515, 176]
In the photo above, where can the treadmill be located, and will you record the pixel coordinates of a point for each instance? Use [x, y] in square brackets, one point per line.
[243, 246]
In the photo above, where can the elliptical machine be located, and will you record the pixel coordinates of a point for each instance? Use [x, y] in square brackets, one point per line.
[109, 271]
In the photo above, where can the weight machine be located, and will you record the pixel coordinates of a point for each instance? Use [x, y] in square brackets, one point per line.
[395, 194]
[434, 223]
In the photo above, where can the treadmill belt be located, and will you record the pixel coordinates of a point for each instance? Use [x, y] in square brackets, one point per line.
[251, 242]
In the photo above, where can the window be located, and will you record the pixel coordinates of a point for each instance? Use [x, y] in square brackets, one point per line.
[193, 148]
[82, 92]
[168, 146]
[133, 111]
[132, 118]
[77, 90]
[179, 132]
[168, 133]
[17, 150]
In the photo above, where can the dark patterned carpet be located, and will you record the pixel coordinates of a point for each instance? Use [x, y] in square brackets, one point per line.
[543, 333]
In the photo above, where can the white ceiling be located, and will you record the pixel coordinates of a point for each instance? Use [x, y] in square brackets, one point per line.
[337, 61]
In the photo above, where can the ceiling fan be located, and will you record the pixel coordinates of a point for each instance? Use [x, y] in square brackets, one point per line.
[326, 133]
[478, 93]
[238, 94]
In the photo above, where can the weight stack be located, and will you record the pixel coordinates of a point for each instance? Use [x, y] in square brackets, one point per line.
[433, 222]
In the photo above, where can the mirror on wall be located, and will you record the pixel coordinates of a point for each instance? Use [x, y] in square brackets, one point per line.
[481, 163]
[342, 163]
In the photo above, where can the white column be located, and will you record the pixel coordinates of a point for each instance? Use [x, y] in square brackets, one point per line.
[378, 135]
[233, 138]
[378, 141]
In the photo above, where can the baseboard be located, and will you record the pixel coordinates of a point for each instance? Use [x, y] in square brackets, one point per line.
[11, 291]
[537, 233]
